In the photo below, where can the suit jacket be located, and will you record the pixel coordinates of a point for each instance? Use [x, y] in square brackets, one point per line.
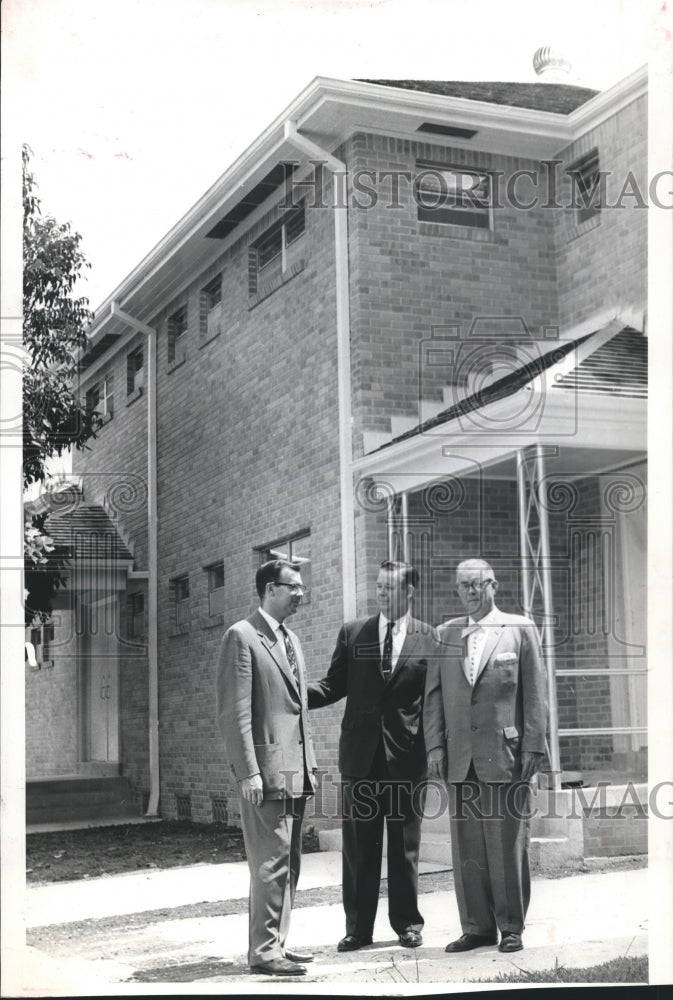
[506, 710]
[374, 707]
[262, 712]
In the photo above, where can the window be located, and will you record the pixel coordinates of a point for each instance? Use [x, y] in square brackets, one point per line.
[215, 589]
[270, 255]
[296, 549]
[180, 587]
[41, 637]
[177, 327]
[135, 615]
[454, 196]
[587, 194]
[100, 398]
[134, 372]
[210, 309]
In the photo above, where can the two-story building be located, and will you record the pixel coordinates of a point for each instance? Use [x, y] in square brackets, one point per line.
[409, 320]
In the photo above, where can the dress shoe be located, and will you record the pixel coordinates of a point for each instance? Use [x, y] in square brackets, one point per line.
[510, 942]
[279, 967]
[297, 956]
[469, 941]
[352, 942]
[411, 939]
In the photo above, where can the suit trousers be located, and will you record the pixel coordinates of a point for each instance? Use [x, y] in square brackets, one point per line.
[272, 838]
[490, 836]
[366, 803]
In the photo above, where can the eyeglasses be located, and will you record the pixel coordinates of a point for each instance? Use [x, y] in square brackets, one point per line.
[478, 585]
[295, 588]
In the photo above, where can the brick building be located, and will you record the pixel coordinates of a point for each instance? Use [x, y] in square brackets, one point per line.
[408, 320]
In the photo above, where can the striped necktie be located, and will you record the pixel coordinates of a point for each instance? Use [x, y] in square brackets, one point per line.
[290, 653]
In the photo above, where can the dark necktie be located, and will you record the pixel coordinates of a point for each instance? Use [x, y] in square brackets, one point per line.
[387, 658]
[290, 653]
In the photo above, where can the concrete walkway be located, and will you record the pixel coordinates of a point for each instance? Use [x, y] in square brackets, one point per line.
[133, 937]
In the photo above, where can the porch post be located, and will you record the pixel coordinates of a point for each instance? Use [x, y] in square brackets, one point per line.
[535, 568]
[404, 525]
[391, 526]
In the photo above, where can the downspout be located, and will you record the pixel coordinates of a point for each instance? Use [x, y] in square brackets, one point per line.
[152, 561]
[340, 173]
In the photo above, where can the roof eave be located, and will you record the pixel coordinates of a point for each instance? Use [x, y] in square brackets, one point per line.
[552, 130]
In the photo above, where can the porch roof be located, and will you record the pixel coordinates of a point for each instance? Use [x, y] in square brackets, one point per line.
[593, 422]
[614, 367]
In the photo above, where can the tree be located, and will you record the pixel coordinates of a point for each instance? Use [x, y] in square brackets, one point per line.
[54, 331]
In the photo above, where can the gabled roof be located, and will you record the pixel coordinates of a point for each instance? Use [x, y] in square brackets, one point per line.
[558, 98]
[83, 529]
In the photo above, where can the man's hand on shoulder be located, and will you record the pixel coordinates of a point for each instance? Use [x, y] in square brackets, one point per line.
[252, 789]
[531, 762]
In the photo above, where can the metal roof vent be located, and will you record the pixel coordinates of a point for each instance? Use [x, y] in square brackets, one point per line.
[551, 65]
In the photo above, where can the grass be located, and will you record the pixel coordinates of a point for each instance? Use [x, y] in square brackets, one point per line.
[617, 970]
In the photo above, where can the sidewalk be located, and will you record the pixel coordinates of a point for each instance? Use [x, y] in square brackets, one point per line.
[132, 929]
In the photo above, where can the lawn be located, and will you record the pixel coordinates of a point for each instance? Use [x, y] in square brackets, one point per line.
[617, 970]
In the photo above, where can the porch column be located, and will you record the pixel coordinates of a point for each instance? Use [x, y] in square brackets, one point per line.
[536, 575]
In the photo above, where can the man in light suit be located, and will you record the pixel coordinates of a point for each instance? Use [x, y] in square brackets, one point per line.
[379, 666]
[263, 717]
[485, 719]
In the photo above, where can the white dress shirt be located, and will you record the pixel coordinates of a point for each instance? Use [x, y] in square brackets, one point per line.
[476, 633]
[400, 628]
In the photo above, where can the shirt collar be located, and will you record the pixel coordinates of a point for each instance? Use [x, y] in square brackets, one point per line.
[402, 622]
[492, 618]
[273, 622]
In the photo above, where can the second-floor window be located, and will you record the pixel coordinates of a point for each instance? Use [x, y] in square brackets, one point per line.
[273, 252]
[135, 380]
[177, 328]
[585, 176]
[100, 397]
[211, 308]
[456, 196]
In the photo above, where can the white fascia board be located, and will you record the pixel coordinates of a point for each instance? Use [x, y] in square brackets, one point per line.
[575, 419]
[608, 103]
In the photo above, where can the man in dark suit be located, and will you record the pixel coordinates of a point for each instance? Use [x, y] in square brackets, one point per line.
[263, 717]
[485, 720]
[379, 666]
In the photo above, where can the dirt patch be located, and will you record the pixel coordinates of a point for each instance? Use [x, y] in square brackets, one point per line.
[69, 855]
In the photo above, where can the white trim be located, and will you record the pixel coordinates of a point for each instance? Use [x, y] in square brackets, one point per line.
[504, 121]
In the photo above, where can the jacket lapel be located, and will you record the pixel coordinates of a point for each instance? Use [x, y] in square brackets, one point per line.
[366, 647]
[272, 646]
[410, 640]
[494, 634]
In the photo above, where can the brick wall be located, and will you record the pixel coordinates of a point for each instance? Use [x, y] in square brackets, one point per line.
[248, 455]
[410, 278]
[603, 261]
[51, 703]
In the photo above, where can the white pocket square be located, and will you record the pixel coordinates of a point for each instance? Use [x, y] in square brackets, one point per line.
[506, 656]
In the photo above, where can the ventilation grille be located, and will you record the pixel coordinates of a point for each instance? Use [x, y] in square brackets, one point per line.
[183, 804]
[220, 814]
